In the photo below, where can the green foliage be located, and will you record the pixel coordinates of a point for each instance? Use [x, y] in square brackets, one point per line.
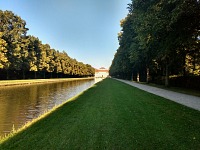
[22, 53]
[121, 65]
[3, 53]
[160, 36]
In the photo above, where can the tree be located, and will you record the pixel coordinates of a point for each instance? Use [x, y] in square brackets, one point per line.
[4, 64]
[159, 36]
[121, 65]
[32, 54]
[13, 29]
[24, 55]
[21, 54]
[57, 61]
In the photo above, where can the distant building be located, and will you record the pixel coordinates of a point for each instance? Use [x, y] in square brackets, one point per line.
[101, 73]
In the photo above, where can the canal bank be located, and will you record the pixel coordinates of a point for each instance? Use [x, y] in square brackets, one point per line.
[113, 115]
[5, 83]
[21, 104]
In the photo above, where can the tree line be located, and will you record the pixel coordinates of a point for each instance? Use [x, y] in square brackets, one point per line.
[24, 56]
[159, 39]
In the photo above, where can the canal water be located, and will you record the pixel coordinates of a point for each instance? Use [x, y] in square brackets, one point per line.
[19, 104]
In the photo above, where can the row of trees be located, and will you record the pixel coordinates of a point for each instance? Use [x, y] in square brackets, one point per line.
[23, 56]
[159, 38]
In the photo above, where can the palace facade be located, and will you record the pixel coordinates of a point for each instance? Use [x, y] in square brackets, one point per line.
[101, 73]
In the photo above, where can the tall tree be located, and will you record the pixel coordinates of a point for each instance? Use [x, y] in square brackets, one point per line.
[159, 36]
[21, 54]
[4, 64]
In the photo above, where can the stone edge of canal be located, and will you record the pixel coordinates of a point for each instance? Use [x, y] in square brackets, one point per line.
[11, 83]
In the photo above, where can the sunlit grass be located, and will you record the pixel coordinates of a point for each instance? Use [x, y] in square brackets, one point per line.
[112, 115]
[34, 81]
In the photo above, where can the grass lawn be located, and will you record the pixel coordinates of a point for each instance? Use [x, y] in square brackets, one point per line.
[113, 115]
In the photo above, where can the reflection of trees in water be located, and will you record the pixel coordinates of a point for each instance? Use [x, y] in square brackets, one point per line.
[21, 104]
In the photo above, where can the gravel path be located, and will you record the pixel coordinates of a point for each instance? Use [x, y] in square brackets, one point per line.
[184, 99]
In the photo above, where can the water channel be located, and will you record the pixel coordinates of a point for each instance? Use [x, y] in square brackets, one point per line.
[19, 104]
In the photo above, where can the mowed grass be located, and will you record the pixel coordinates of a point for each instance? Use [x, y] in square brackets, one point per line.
[113, 115]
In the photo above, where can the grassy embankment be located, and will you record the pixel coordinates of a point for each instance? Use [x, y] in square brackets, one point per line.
[113, 115]
[4, 83]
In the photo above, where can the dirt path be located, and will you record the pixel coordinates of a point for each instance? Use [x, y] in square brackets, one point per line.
[184, 99]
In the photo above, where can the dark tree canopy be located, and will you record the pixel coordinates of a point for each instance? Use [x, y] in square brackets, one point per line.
[159, 38]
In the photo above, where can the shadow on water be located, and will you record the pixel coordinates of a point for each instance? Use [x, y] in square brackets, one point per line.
[20, 104]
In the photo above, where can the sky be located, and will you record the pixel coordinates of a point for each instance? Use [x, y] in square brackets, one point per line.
[85, 29]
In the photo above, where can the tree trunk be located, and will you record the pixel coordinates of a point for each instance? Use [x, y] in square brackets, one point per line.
[148, 76]
[138, 77]
[167, 75]
[44, 75]
[132, 76]
[7, 74]
[35, 74]
[23, 73]
[194, 63]
[184, 64]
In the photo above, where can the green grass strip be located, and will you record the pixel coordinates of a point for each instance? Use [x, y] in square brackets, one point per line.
[4, 83]
[113, 115]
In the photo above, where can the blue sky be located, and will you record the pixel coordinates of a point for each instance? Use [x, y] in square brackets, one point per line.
[85, 29]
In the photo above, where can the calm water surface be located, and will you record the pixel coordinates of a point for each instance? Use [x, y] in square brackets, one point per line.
[20, 104]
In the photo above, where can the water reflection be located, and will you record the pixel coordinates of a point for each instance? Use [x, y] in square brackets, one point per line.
[20, 104]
